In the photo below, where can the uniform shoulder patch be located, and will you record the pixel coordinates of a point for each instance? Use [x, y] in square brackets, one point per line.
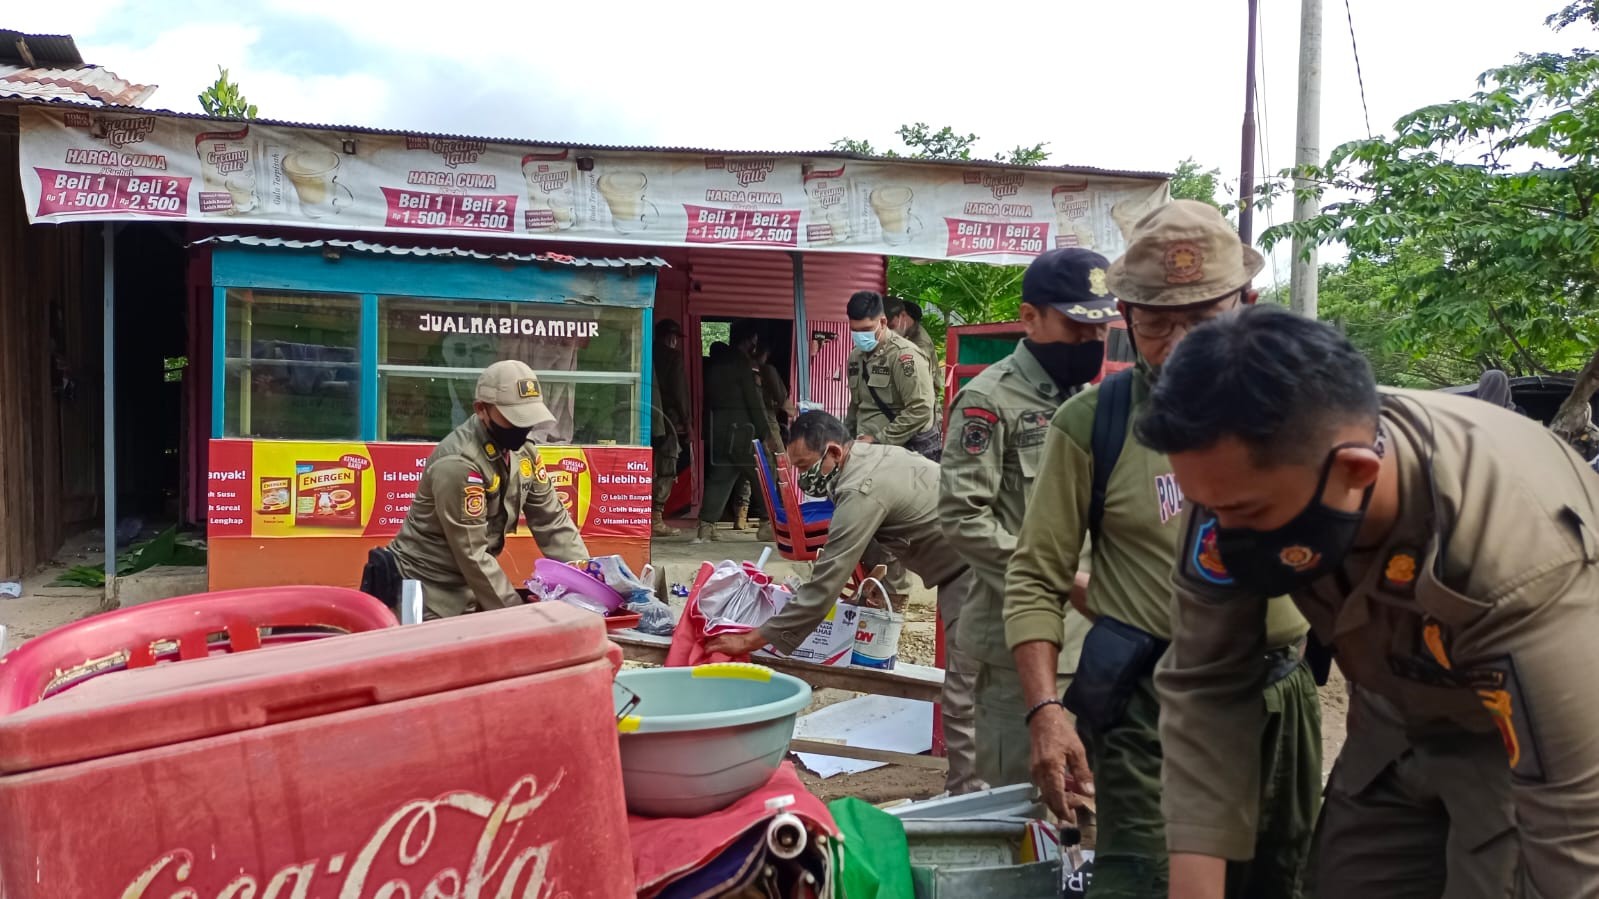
[977, 434]
[1201, 560]
[907, 364]
[473, 503]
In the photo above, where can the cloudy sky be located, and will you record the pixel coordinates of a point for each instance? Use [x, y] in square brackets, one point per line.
[1118, 85]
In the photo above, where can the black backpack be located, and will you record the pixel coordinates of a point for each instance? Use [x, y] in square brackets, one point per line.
[1110, 432]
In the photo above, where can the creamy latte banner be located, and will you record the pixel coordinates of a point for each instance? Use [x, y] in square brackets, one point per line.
[101, 166]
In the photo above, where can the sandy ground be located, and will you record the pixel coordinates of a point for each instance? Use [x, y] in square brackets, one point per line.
[42, 607]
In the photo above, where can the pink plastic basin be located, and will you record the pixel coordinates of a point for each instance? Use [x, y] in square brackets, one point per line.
[582, 589]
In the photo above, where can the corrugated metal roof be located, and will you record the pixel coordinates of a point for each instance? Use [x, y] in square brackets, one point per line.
[39, 49]
[91, 85]
[362, 246]
[819, 154]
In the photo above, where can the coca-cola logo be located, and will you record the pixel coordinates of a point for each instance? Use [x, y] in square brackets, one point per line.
[396, 861]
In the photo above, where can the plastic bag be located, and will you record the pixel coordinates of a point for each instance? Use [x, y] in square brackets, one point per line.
[737, 597]
[638, 593]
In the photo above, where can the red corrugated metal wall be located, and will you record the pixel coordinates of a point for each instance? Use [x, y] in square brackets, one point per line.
[829, 383]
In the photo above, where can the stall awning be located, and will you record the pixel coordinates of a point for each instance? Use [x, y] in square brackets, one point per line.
[90, 164]
[379, 249]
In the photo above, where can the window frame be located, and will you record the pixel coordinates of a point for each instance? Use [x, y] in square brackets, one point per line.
[445, 280]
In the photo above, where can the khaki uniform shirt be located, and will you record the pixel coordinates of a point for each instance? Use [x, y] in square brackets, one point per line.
[1479, 613]
[885, 494]
[992, 451]
[774, 393]
[1140, 533]
[923, 342]
[470, 497]
[899, 374]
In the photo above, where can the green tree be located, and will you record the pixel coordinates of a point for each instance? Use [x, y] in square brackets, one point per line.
[1497, 192]
[1190, 182]
[224, 99]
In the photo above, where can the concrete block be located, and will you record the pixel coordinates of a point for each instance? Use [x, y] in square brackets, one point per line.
[161, 582]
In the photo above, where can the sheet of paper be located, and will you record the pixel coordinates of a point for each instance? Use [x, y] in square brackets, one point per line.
[873, 722]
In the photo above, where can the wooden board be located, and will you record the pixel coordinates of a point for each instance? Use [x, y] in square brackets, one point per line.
[904, 681]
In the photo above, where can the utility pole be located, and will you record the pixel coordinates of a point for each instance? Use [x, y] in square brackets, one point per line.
[1246, 174]
[1307, 153]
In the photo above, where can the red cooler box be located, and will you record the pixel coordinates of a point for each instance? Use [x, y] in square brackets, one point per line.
[472, 757]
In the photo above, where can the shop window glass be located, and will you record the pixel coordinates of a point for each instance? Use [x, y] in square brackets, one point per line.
[292, 366]
[431, 351]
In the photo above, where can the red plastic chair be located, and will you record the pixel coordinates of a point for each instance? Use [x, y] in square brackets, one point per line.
[799, 528]
[179, 629]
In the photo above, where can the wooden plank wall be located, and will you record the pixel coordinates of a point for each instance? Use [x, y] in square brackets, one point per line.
[49, 327]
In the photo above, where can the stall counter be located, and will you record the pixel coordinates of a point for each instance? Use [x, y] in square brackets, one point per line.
[307, 512]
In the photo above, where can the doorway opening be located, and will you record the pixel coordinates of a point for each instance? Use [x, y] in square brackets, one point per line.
[776, 339]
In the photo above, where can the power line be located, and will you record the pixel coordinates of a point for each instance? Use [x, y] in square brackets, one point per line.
[1358, 75]
[1265, 142]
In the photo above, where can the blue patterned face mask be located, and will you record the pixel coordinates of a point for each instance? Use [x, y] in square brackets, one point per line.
[865, 341]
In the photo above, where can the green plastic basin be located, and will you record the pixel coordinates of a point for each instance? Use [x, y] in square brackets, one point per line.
[703, 738]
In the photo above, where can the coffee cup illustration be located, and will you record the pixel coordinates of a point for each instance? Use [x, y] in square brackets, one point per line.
[241, 187]
[315, 176]
[624, 194]
[893, 208]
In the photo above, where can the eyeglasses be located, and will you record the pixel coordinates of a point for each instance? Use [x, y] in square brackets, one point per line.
[1160, 325]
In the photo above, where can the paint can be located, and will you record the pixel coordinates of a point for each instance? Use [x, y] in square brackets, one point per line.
[877, 638]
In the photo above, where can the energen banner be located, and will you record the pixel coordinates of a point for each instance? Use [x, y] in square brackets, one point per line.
[272, 488]
[84, 164]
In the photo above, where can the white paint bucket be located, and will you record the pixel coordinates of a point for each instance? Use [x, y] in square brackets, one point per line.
[877, 638]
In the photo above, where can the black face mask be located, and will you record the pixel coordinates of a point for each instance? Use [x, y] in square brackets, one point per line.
[1312, 544]
[506, 439]
[1068, 364]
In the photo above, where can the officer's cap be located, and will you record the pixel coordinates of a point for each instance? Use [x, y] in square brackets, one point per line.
[1183, 254]
[511, 387]
[1072, 282]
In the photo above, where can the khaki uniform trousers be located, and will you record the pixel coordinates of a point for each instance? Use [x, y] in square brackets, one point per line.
[957, 700]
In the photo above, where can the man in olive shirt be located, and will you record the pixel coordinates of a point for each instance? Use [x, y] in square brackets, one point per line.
[890, 385]
[479, 480]
[1447, 550]
[1184, 264]
[991, 456]
[884, 495]
[908, 325]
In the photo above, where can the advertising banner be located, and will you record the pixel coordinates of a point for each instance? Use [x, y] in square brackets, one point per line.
[271, 488]
[84, 164]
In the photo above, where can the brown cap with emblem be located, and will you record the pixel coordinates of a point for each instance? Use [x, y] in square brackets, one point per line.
[1183, 254]
[511, 387]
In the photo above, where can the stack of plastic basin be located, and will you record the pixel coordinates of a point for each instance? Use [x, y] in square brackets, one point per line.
[702, 738]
